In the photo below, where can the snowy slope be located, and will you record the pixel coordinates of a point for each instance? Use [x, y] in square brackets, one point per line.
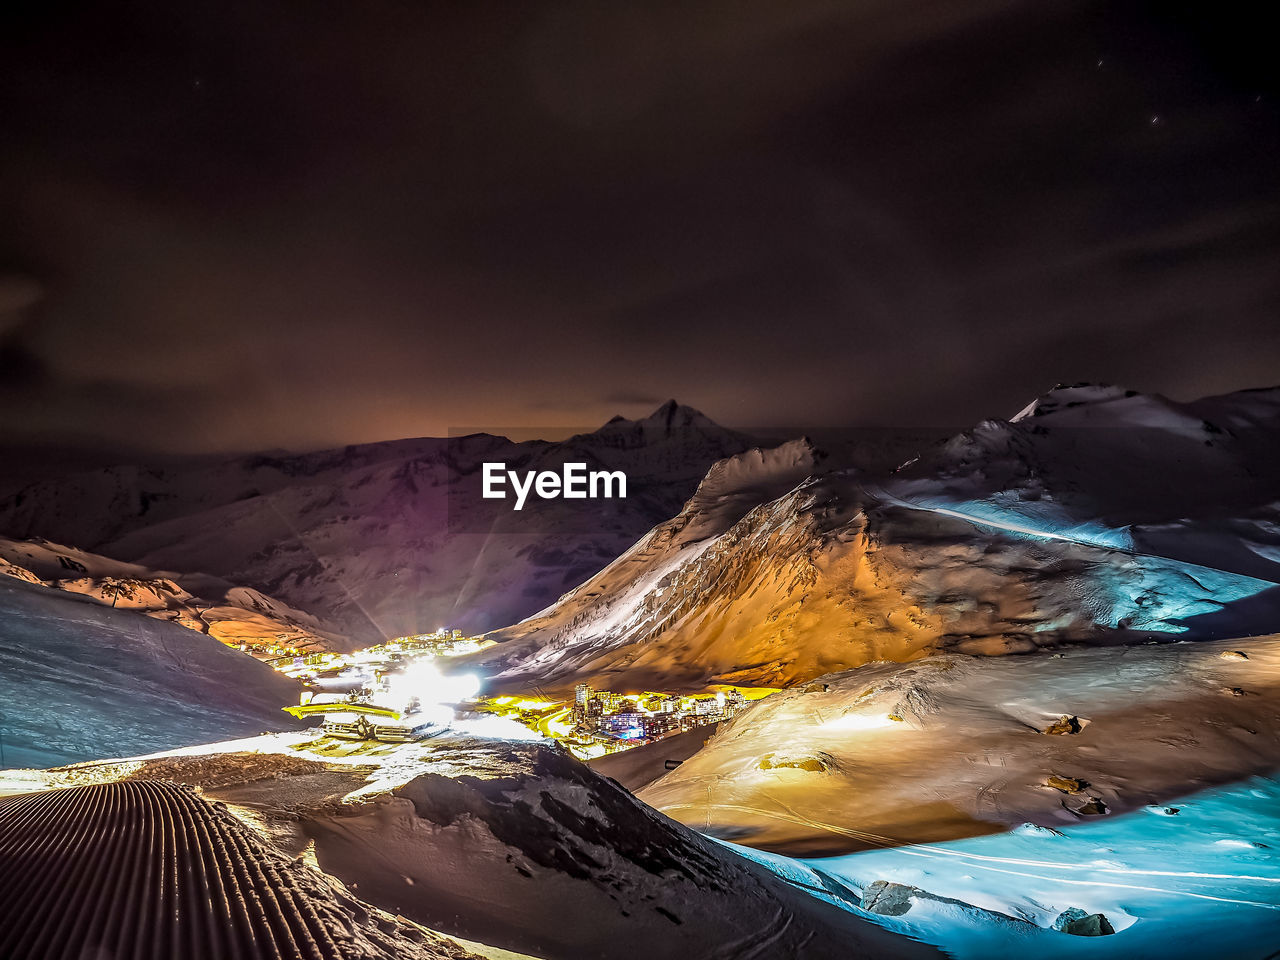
[234, 615]
[1199, 883]
[516, 844]
[953, 746]
[513, 844]
[1164, 815]
[148, 869]
[79, 681]
[1198, 482]
[529, 835]
[1009, 538]
[384, 539]
[629, 593]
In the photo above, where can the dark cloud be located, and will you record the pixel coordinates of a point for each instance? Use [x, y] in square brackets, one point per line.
[249, 225]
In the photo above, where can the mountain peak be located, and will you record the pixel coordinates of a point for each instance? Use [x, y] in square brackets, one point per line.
[670, 416]
[673, 414]
[672, 425]
[1068, 395]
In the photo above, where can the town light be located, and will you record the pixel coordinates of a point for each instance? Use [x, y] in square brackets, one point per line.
[435, 691]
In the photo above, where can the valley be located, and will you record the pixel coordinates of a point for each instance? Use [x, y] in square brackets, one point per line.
[1019, 694]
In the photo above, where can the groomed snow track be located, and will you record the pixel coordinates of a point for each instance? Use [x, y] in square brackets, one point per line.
[144, 869]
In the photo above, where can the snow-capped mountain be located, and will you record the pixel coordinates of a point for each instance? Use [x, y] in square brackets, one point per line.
[1198, 482]
[1097, 515]
[384, 539]
[234, 615]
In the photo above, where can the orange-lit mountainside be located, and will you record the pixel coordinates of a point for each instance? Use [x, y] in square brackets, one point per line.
[1096, 515]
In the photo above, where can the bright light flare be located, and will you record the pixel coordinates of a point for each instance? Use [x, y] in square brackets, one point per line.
[436, 692]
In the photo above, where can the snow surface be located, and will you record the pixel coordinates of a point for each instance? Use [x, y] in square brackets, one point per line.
[1202, 882]
[629, 593]
[1197, 482]
[152, 869]
[1134, 780]
[953, 746]
[80, 681]
[1181, 743]
[508, 843]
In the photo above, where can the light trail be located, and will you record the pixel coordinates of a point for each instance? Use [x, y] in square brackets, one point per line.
[880, 493]
[920, 852]
[981, 862]
[978, 860]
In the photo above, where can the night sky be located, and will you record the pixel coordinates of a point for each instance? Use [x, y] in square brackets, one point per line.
[243, 225]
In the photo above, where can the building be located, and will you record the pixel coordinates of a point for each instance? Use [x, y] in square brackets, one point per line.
[705, 706]
[624, 726]
[661, 724]
[581, 697]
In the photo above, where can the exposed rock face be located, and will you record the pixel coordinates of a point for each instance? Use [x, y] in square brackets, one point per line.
[888, 899]
[1093, 807]
[1063, 726]
[1076, 922]
[814, 764]
[1066, 784]
[234, 615]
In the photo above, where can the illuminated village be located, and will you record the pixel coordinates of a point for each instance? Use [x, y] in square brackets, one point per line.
[620, 720]
[386, 692]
